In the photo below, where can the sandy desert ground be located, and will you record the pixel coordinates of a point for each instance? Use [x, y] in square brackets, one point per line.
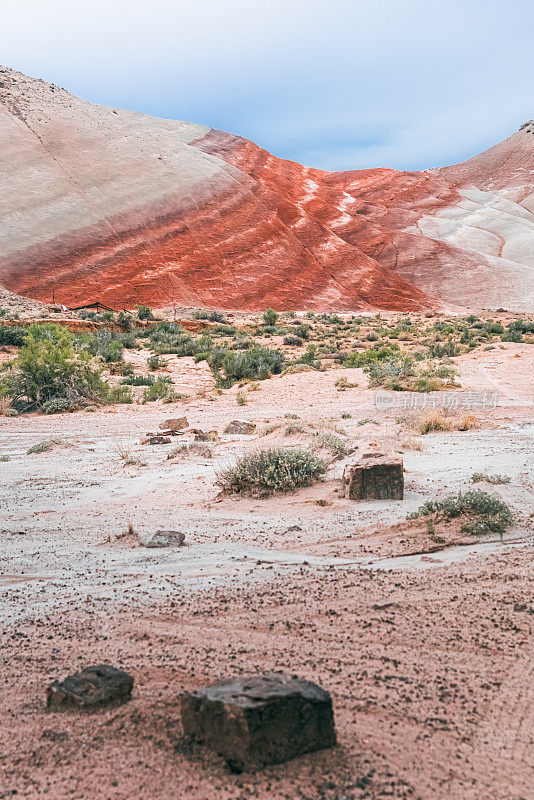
[425, 646]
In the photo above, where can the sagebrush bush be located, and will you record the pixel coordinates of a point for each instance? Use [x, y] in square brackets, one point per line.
[108, 345]
[138, 380]
[258, 363]
[213, 316]
[274, 470]
[270, 316]
[56, 405]
[292, 341]
[484, 513]
[160, 389]
[156, 362]
[476, 477]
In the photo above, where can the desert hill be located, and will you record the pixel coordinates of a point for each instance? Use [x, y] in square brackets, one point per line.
[111, 205]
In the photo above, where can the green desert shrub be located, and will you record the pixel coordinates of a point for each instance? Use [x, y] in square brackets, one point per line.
[292, 341]
[274, 470]
[108, 345]
[303, 330]
[213, 316]
[125, 321]
[156, 362]
[372, 355]
[270, 316]
[258, 363]
[48, 368]
[138, 380]
[392, 373]
[9, 335]
[441, 349]
[43, 446]
[483, 512]
[160, 389]
[310, 357]
[145, 312]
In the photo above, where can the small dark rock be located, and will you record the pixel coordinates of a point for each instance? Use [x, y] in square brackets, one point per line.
[260, 719]
[90, 689]
[157, 440]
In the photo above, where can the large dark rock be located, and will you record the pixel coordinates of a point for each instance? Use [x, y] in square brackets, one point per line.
[374, 478]
[90, 689]
[260, 719]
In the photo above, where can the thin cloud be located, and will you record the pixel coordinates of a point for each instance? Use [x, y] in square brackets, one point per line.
[336, 84]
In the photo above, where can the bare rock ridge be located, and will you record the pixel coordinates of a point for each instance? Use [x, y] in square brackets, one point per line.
[111, 205]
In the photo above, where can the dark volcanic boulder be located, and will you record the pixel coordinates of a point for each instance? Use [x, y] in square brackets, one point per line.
[260, 719]
[374, 478]
[90, 689]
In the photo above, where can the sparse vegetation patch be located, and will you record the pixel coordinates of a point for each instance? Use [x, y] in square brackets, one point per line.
[275, 470]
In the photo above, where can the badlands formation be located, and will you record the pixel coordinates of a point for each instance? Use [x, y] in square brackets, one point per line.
[386, 554]
[101, 204]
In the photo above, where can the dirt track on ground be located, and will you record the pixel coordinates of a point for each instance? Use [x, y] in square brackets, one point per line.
[427, 651]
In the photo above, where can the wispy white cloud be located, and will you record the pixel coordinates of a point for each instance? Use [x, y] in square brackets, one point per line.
[332, 83]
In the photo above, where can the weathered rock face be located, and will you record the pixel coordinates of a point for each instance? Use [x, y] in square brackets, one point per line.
[111, 205]
[259, 720]
[90, 689]
[162, 539]
[240, 427]
[177, 424]
[374, 478]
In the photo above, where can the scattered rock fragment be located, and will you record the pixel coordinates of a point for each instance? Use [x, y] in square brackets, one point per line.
[374, 478]
[240, 426]
[261, 719]
[90, 689]
[156, 440]
[174, 424]
[162, 539]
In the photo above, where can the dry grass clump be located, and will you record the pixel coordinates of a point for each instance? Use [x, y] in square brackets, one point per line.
[477, 477]
[191, 449]
[434, 421]
[343, 383]
[275, 470]
[123, 450]
[5, 405]
[295, 368]
[412, 444]
[466, 423]
[44, 445]
[335, 445]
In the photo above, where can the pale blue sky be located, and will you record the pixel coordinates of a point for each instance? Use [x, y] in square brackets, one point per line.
[336, 84]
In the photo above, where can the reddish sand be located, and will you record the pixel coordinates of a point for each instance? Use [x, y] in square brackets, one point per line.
[431, 675]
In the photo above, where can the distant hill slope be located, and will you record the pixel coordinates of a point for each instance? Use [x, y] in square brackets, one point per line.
[112, 205]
